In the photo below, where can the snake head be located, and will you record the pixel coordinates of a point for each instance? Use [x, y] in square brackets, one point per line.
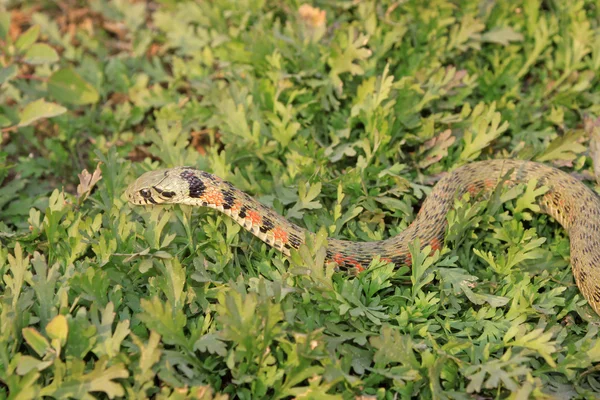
[174, 185]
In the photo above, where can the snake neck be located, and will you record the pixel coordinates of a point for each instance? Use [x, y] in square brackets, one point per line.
[256, 218]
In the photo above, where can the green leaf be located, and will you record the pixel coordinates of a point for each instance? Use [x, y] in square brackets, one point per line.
[37, 342]
[4, 121]
[247, 320]
[461, 283]
[503, 372]
[211, 343]
[82, 335]
[39, 109]
[101, 379]
[174, 282]
[66, 86]
[165, 320]
[466, 34]
[528, 199]
[4, 25]
[422, 261]
[58, 328]
[317, 389]
[28, 38]
[372, 94]
[18, 267]
[306, 195]
[485, 127]
[393, 347]
[379, 278]
[28, 363]
[542, 38]
[564, 147]
[150, 355]
[346, 52]
[527, 247]
[7, 73]
[40, 53]
[536, 340]
[109, 343]
[502, 35]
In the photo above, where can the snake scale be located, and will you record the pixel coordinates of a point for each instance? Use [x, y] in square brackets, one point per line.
[570, 202]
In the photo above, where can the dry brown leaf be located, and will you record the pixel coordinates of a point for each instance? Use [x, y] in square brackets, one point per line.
[436, 148]
[87, 182]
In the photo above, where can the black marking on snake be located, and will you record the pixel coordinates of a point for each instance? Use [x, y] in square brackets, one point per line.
[208, 176]
[294, 240]
[328, 254]
[242, 213]
[164, 193]
[267, 225]
[197, 187]
[596, 294]
[399, 260]
[228, 199]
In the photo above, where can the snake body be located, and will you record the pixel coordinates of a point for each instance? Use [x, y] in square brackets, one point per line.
[567, 200]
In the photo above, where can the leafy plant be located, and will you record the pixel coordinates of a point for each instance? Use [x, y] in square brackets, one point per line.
[338, 115]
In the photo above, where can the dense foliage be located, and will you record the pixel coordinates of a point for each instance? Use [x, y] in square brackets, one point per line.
[341, 115]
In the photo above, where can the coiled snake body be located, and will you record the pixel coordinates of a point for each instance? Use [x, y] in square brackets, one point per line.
[570, 202]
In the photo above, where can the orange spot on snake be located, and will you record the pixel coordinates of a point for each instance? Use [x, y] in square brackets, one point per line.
[489, 183]
[359, 268]
[435, 244]
[253, 216]
[344, 261]
[472, 189]
[214, 197]
[280, 235]
[237, 205]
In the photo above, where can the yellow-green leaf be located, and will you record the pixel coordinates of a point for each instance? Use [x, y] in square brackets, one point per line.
[35, 339]
[7, 73]
[28, 38]
[66, 86]
[4, 25]
[58, 328]
[40, 53]
[39, 109]
[28, 363]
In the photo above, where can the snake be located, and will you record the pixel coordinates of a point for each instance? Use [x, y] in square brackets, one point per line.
[568, 200]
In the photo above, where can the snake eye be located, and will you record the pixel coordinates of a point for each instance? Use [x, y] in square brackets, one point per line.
[146, 193]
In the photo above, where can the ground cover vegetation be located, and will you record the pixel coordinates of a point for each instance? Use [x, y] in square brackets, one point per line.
[340, 115]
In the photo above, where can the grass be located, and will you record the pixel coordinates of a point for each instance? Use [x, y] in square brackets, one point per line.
[340, 117]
